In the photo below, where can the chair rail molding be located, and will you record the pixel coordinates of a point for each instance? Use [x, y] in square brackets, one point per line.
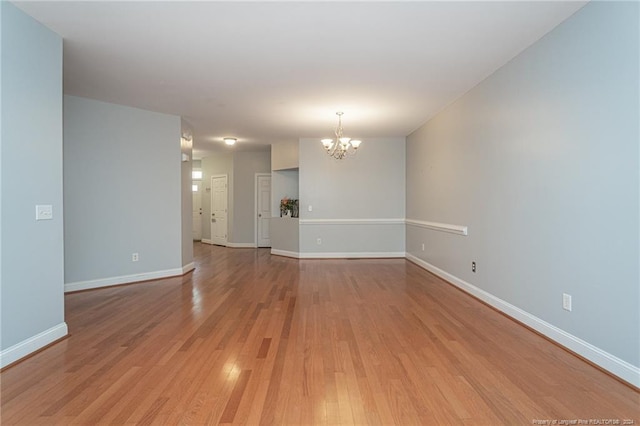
[437, 226]
[383, 221]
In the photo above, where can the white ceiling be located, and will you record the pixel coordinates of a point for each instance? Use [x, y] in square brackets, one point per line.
[277, 71]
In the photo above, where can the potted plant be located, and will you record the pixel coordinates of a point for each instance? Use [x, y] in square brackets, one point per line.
[288, 207]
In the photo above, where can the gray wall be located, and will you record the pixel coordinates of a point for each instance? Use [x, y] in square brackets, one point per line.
[369, 186]
[32, 275]
[245, 166]
[540, 161]
[122, 190]
[285, 235]
[284, 155]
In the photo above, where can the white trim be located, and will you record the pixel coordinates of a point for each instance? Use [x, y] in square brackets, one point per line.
[391, 221]
[255, 205]
[241, 245]
[124, 279]
[609, 362]
[351, 255]
[188, 268]
[341, 255]
[32, 344]
[228, 244]
[444, 227]
[226, 185]
[285, 253]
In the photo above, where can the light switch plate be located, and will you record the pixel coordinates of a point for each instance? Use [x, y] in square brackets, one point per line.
[44, 212]
[566, 302]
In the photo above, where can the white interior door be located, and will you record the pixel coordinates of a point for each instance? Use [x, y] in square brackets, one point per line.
[263, 207]
[196, 192]
[219, 210]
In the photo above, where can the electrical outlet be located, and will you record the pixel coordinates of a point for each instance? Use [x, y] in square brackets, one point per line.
[310, 208]
[134, 257]
[566, 302]
[422, 246]
[473, 267]
[319, 241]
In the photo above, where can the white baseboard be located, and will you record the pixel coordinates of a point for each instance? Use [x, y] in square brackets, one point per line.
[188, 268]
[229, 244]
[351, 255]
[125, 279]
[616, 366]
[285, 253]
[241, 245]
[347, 255]
[32, 344]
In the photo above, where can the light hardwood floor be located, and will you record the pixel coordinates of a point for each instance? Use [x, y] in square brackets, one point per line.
[250, 338]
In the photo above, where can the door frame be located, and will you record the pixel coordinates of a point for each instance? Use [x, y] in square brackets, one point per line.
[255, 205]
[226, 233]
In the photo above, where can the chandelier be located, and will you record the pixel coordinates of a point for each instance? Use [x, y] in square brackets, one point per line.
[342, 146]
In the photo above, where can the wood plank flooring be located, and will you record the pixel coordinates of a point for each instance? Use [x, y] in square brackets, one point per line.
[250, 338]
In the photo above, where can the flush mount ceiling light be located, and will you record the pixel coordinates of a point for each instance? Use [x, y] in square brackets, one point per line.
[342, 146]
[230, 141]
